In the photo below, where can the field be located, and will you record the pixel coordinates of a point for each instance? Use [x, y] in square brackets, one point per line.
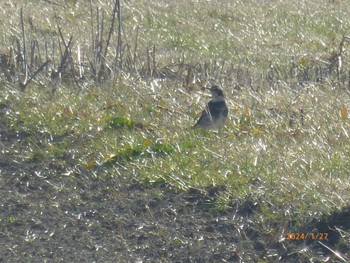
[98, 161]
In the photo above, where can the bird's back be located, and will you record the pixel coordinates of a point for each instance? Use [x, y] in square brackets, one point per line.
[218, 109]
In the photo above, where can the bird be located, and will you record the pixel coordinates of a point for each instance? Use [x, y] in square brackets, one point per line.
[215, 113]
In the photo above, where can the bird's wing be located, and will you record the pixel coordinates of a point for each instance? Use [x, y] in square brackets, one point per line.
[205, 120]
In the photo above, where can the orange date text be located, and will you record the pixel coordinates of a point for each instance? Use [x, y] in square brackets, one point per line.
[295, 236]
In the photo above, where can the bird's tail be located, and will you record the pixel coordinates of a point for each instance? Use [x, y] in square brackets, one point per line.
[196, 126]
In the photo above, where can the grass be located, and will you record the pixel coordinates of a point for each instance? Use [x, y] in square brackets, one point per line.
[120, 159]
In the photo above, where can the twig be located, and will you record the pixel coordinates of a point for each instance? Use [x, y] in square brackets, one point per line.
[53, 3]
[135, 48]
[92, 30]
[67, 55]
[334, 252]
[24, 85]
[148, 62]
[46, 56]
[24, 51]
[119, 43]
[111, 28]
[153, 60]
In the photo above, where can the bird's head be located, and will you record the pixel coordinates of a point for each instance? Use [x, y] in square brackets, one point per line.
[217, 94]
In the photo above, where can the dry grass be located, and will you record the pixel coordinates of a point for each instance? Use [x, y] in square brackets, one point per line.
[116, 156]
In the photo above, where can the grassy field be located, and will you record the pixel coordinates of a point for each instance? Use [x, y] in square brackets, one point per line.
[98, 161]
